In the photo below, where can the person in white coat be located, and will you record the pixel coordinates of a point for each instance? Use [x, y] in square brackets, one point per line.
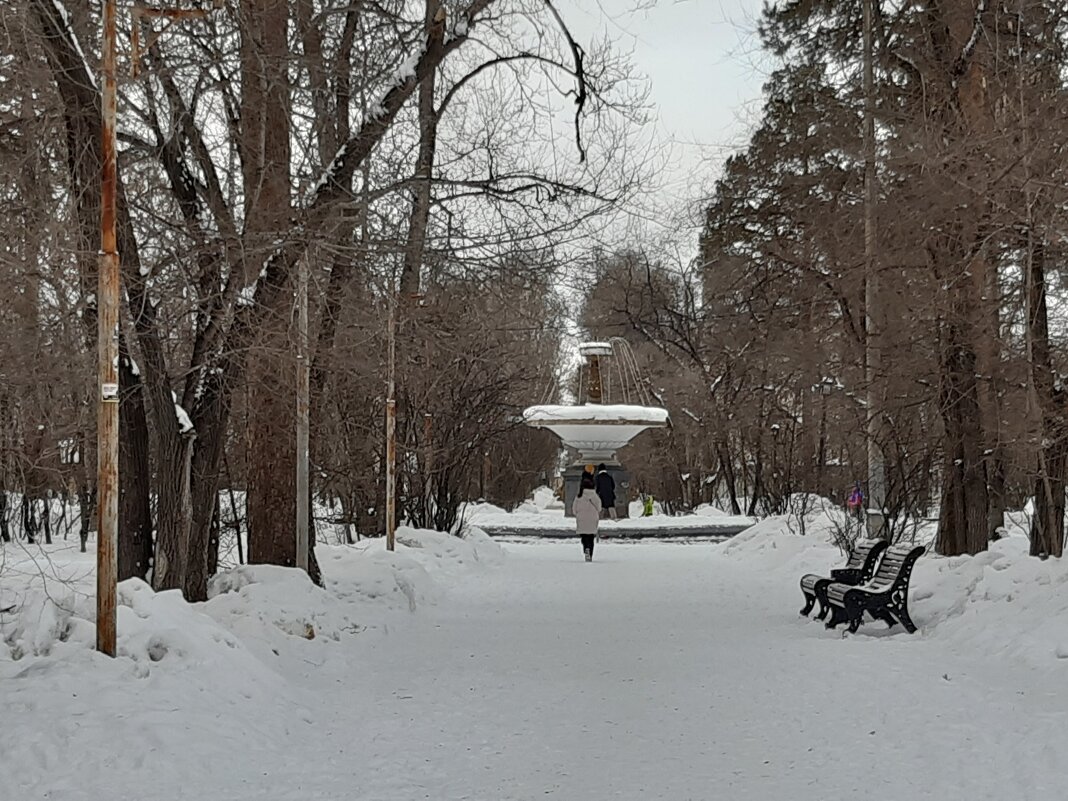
[587, 509]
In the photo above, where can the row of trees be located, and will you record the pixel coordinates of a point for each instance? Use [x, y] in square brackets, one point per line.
[407, 151]
[765, 337]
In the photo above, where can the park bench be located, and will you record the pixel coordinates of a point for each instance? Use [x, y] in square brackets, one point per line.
[885, 597]
[859, 569]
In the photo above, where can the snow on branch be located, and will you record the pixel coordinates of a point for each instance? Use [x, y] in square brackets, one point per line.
[185, 424]
[65, 20]
[973, 40]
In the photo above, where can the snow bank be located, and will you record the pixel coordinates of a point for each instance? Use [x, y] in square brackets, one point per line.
[998, 602]
[708, 510]
[450, 553]
[34, 621]
[254, 613]
[778, 546]
[55, 632]
[271, 607]
[161, 628]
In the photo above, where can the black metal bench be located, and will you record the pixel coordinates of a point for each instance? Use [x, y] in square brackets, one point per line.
[858, 569]
[885, 597]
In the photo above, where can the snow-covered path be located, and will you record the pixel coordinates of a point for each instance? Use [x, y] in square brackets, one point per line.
[657, 672]
[664, 672]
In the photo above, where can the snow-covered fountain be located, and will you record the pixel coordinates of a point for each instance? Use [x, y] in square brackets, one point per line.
[595, 430]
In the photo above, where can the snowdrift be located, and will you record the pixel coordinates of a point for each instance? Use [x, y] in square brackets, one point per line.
[254, 615]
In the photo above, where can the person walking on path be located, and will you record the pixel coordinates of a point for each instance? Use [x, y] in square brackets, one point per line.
[606, 491]
[587, 509]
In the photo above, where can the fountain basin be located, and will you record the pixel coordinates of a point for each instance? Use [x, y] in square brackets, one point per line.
[596, 431]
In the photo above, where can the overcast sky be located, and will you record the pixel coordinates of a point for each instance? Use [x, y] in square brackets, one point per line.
[703, 60]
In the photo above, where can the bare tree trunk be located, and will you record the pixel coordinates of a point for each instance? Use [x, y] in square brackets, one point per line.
[174, 513]
[424, 170]
[272, 367]
[965, 518]
[29, 518]
[135, 512]
[5, 532]
[213, 539]
[46, 516]
[962, 526]
[1047, 524]
[213, 416]
[990, 369]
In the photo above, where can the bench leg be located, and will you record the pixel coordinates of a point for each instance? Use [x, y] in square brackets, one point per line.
[906, 621]
[886, 616]
[810, 601]
[836, 617]
[822, 614]
[854, 623]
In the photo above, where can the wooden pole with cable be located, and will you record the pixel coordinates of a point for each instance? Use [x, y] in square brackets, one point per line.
[108, 354]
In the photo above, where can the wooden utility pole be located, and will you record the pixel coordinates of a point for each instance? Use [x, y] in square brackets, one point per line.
[108, 296]
[303, 404]
[876, 500]
[428, 463]
[391, 426]
[108, 356]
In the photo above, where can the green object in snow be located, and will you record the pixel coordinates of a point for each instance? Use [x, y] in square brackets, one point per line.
[647, 510]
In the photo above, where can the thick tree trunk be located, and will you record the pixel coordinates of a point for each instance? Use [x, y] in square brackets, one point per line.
[135, 513]
[273, 454]
[962, 526]
[961, 267]
[174, 513]
[1047, 524]
[990, 369]
[213, 415]
[272, 365]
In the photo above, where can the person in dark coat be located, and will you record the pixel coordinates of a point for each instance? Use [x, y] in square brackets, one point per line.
[606, 490]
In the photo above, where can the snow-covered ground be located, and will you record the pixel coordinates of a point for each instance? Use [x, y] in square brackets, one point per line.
[451, 670]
